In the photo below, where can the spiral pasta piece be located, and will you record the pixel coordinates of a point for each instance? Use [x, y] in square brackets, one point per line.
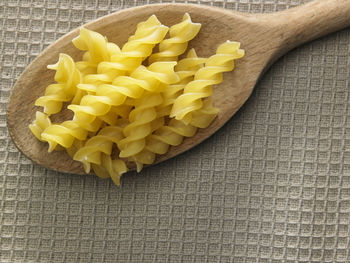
[159, 142]
[173, 133]
[139, 46]
[115, 114]
[140, 125]
[201, 86]
[110, 168]
[95, 146]
[99, 50]
[53, 99]
[89, 67]
[66, 133]
[94, 43]
[77, 144]
[203, 117]
[185, 69]
[86, 66]
[41, 122]
[180, 35]
[115, 94]
[68, 77]
[63, 134]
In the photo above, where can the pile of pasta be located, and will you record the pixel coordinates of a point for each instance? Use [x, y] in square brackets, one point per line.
[135, 101]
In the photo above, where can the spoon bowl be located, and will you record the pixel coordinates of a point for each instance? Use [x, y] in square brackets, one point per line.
[264, 37]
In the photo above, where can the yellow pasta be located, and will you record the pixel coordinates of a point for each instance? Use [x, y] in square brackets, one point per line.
[115, 114]
[86, 66]
[115, 94]
[173, 133]
[41, 122]
[201, 86]
[185, 69]
[64, 134]
[123, 107]
[53, 99]
[180, 35]
[159, 142]
[203, 117]
[94, 43]
[139, 46]
[95, 146]
[140, 125]
[143, 119]
[77, 144]
[68, 77]
[94, 105]
[87, 40]
[109, 59]
[110, 168]
[99, 50]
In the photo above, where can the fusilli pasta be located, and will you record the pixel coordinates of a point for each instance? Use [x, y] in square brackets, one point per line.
[63, 134]
[94, 43]
[140, 125]
[108, 95]
[173, 133]
[122, 107]
[40, 123]
[180, 35]
[110, 168]
[185, 69]
[139, 46]
[95, 146]
[68, 77]
[201, 86]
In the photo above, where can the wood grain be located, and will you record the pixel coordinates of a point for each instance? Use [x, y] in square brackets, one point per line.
[265, 37]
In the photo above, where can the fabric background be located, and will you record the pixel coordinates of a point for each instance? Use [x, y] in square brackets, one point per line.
[273, 185]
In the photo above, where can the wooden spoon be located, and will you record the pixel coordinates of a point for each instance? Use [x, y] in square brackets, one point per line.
[265, 37]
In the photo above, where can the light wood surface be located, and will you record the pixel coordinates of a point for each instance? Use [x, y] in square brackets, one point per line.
[265, 37]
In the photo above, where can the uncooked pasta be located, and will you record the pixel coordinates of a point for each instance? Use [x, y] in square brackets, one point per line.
[68, 77]
[132, 103]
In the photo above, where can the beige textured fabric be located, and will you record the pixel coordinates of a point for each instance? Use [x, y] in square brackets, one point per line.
[273, 185]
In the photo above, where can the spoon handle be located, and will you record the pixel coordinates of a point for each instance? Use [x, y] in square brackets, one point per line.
[310, 21]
